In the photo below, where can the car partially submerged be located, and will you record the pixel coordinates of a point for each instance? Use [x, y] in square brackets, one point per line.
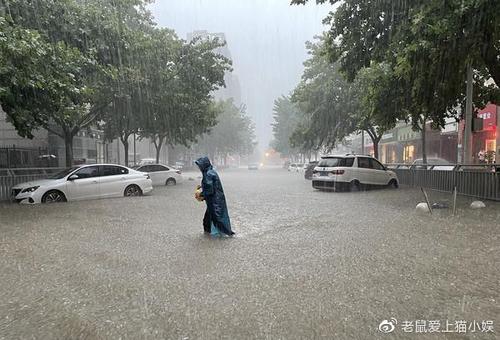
[83, 183]
[162, 174]
[351, 172]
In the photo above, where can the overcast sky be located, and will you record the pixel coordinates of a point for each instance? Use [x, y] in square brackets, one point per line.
[266, 39]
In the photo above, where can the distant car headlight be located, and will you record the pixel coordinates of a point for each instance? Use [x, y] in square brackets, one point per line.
[31, 189]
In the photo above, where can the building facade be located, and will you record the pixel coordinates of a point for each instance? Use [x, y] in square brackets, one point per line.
[46, 149]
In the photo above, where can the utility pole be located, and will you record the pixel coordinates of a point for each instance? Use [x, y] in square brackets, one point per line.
[135, 153]
[497, 153]
[118, 150]
[468, 119]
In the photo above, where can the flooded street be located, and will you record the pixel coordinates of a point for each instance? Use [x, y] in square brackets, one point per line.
[303, 264]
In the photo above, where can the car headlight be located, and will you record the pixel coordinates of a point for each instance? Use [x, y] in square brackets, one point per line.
[31, 189]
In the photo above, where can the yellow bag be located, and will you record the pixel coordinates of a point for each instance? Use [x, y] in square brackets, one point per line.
[198, 194]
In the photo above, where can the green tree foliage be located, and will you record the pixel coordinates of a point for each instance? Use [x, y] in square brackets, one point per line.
[46, 84]
[286, 120]
[182, 87]
[327, 101]
[335, 108]
[460, 31]
[234, 133]
[373, 92]
[67, 64]
[427, 46]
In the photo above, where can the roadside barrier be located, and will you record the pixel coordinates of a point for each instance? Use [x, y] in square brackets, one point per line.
[475, 180]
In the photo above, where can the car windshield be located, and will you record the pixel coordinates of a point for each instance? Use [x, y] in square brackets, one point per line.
[63, 173]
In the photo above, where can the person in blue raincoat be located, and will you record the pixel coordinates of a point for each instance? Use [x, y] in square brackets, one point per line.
[216, 218]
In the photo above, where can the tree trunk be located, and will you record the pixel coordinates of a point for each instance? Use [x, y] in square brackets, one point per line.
[375, 140]
[125, 150]
[158, 146]
[68, 143]
[424, 143]
[375, 147]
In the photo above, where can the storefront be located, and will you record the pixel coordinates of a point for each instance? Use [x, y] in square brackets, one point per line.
[410, 143]
[484, 138]
[388, 147]
[409, 140]
[449, 141]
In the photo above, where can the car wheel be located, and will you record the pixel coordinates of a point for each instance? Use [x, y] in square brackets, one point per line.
[53, 196]
[355, 186]
[393, 184]
[171, 181]
[132, 190]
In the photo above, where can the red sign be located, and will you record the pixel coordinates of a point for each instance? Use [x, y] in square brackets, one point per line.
[489, 117]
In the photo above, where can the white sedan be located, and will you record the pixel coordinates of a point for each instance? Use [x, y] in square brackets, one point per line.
[161, 174]
[83, 183]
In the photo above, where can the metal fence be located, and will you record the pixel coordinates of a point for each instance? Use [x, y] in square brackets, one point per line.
[11, 177]
[481, 181]
[15, 157]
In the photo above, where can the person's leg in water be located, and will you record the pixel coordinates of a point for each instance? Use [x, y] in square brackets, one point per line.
[221, 228]
[207, 222]
[215, 231]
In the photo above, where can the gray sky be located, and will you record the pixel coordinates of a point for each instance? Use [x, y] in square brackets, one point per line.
[266, 39]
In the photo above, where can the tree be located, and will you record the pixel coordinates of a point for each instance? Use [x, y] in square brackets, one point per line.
[181, 91]
[335, 108]
[233, 134]
[286, 119]
[89, 41]
[427, 44]
[463, 30]
[376, 110]
[45, 84]
[124, 36]
[327, 101]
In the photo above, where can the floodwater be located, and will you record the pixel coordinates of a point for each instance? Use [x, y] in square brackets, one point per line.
[304, 264]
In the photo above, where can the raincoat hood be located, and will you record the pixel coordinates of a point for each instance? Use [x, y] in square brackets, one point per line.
[204, 164]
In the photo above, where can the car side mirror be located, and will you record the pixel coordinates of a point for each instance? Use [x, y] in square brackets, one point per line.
[73, 177]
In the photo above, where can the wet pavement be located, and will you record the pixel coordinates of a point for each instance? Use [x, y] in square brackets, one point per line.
[304, 264]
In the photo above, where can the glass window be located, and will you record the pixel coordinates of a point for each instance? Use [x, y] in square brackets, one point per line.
[376, 165]
[88, 172]
[110, 170]
[145, 168]
[364, 162]
[349, 162]
[157, 167]
[63, 173]
[336, 161]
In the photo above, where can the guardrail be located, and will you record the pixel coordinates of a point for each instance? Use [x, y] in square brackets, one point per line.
[11, 177]
[476, 180]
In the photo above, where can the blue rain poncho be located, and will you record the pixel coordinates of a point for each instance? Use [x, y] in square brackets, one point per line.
[213, 193]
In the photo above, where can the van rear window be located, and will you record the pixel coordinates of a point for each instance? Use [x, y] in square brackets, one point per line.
[336, 161]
